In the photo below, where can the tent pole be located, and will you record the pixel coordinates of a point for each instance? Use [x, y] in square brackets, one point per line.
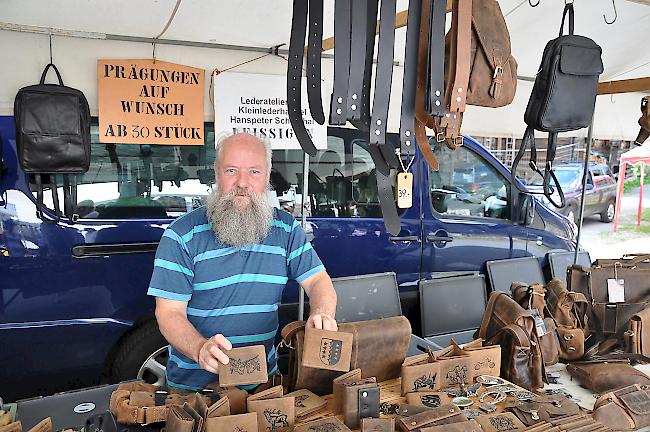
[619, 192]
[640, 211]
[303, 223]
[585, 174]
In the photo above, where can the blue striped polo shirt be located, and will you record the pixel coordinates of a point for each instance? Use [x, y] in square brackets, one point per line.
[228, 290]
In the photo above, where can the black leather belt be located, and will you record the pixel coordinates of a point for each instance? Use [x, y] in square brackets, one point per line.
[363, 123]
[342, 28]
[294, 75]
[409, 82]
[385, 192]
[358, 47]
[314, 49]
[436, 86]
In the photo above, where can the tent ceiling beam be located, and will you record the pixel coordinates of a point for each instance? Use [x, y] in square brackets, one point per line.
[624, 86]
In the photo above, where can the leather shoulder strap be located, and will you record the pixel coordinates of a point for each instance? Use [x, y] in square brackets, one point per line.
[291, 329]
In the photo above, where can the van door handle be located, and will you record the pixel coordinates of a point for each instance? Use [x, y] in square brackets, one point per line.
[405, 239]
[442, 239]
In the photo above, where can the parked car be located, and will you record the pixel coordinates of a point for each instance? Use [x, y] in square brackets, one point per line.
[79, 288]
[600, 193]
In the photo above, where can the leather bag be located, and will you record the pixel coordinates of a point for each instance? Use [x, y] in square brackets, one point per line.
[627, 408]
[601, 376]
[379, 349]
[543, 408]
[507, 324]
[637, 338]
[644, 121]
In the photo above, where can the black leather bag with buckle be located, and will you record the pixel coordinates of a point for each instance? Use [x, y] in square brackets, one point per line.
[53, 135]
[563, 98]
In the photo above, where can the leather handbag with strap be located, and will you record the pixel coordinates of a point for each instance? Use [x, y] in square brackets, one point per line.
[379, 349]
[601, 376]
[644, 121]
[627, 408]
[507, 324]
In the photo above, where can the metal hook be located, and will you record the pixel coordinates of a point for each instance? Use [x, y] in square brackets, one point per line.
[615, 15]
[153, 53]
[50, 33]
[534, 5]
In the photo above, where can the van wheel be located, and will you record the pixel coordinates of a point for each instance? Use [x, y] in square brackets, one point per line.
[607, 215]
[142, 354]
[572, 213]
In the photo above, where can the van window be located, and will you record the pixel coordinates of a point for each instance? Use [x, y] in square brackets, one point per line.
[467, 185]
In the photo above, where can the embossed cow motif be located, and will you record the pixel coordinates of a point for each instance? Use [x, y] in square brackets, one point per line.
[425, 381]
[245, 367]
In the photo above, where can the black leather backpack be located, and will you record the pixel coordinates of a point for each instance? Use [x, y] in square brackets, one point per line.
[563, 97]
[53, 137]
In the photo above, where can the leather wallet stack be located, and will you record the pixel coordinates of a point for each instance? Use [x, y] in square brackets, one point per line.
[442, 415]
[324, 349]
[637, 338]
[579, 422]
[627, 408]
[360, 400]
[601, 376]
[247, 365]
[233, 423]
[420, 373]
[338, 386]
[306, 402]
[500, 422]
[196, 417]
[274, 412]
[378, 425]
[463, 426]
[327, 424]
[429, 399]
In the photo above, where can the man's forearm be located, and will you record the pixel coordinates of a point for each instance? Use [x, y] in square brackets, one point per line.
[181, 334]
[322, 297]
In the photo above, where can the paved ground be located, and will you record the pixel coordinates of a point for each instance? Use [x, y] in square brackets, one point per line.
[600, 240]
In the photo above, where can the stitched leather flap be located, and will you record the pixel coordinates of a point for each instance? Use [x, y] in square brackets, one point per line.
[637, 402]
[581, 60]
[430, 417]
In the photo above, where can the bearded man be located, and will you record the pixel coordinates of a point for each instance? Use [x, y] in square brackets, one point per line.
[220, 270]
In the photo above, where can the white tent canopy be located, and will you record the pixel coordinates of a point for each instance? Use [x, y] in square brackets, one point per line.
[264, 24]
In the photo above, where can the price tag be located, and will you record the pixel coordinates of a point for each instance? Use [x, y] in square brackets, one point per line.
[616, 290]
[404, 190]
[540, 327]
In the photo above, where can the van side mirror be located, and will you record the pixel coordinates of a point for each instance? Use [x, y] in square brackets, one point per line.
[524, 209]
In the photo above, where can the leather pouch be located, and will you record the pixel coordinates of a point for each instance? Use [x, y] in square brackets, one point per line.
[420, 373]
[355, 395]
[637, 338]
[601, 376]
[339, 386]
[247, 365]
[326, 349]
[377, 425]
[306, 402]
[464, 426]
[233, 423]
[428, 399]
[444, 414]
[179, 420]
[327, 424]
[273, 411]
[500, 422]
[627, 408]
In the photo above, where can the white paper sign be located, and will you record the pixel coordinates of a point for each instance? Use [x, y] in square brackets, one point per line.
[256, 103]
[616, 290]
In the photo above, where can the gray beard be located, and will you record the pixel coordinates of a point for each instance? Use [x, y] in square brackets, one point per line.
[235, 227]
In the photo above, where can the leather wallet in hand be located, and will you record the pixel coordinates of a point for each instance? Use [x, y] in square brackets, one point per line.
[327, 424]
[233, 423]
[338, 387]
[247, 366]
[326, 349]
[306, 402]
[360, 400]
[274, 412]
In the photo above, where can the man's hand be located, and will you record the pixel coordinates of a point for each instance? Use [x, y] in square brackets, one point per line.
[322, 321]
[212, 353]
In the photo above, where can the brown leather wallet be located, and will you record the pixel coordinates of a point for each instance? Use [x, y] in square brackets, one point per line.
[306, 402]
[327, 424]
[377, 425]
[233, 423]
[444, 414]
[420, 373]
[324, 349]
[500, 422]
[464, 426]
[247, 366]
[428, 399]
[273, 411]
[179, 420]
[339, 385]
[360, 400]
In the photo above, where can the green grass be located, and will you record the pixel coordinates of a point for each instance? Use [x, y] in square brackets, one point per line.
[643, 229]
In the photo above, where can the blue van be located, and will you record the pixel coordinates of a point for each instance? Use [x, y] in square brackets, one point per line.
[73, 294]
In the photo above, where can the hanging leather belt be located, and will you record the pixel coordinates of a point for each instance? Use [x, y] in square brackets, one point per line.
[436, 85]
[294, 76]
[407, 116]
[342, 28]
[314, 49]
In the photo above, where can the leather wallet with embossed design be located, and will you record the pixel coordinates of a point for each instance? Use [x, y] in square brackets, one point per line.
[501, 422]
[430, 399]
[306, 402]
[377, 425]
[444, 414]
[339, 386]
[274, 412]
[326, 349]
[464, 426]
[360, 400]
[420, 373]
[233, 423]
[247, 365]
[327, 424]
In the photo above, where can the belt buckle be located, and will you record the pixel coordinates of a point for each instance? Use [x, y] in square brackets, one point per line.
[440, 137]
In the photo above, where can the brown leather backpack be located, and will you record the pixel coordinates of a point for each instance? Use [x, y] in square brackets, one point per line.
[644, 121]
[507, 324]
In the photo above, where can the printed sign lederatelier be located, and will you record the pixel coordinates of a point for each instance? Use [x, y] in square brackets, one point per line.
[147, 102]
